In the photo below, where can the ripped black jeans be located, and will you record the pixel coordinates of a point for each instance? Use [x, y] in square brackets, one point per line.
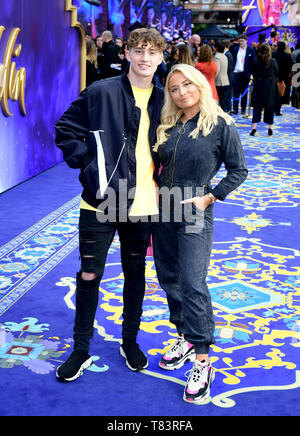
[95, 239]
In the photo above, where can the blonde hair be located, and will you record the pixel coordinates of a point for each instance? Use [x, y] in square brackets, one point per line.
[91, 52]
[184, 56]
[208, 107]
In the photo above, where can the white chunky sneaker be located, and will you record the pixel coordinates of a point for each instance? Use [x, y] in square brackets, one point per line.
[197, 389]
[176, 356]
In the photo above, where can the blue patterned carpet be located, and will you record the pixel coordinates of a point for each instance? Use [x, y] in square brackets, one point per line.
[254, 279]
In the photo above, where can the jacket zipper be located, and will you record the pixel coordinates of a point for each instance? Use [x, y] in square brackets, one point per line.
[174, 157]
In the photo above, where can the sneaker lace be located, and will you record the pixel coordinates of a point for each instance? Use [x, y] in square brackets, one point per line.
[196, 374]
[176, 347]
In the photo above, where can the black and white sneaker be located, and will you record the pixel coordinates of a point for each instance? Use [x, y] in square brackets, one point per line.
[197, 389]
[74, 366]
[176, 356]
[135, 358]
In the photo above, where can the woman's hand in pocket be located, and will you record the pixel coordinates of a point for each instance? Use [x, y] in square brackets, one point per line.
[200, 202]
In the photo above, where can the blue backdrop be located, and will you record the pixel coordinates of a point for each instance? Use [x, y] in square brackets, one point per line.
[50, 54]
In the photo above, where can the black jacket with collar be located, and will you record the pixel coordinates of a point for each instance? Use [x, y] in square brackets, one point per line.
[110, 55]
[249, 59]
[98, 134]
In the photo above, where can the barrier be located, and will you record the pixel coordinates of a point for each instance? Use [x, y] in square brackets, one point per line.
[250, 89]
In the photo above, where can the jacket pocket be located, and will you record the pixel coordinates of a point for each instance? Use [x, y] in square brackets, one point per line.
[89, 177]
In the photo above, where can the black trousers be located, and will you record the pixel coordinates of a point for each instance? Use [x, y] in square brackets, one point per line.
[95, 239]
[240, 85]
[224, 94]
[268, 115]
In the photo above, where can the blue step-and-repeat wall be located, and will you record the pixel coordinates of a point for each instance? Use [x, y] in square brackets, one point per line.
[40, 75]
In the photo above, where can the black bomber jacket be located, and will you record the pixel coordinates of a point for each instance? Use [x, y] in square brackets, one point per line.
[98, 134]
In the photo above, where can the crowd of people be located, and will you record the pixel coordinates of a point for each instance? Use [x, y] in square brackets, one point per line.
[227, 65]
[148, 143]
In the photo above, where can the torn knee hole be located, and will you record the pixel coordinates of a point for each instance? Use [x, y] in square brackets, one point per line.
[88, 276]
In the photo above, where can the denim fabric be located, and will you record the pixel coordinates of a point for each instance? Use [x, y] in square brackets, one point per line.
[182, 258]
[195, 162]
[94, 241]
[182, 242]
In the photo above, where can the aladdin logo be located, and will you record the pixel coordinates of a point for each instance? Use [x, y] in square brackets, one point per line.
[12, 81]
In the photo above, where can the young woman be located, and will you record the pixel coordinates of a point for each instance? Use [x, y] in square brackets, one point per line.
[195, 137]
[206, 65]
[265, 92]
[91, 62]
[181, 55]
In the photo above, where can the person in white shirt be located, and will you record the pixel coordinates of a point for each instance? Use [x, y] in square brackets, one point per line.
[244, 57]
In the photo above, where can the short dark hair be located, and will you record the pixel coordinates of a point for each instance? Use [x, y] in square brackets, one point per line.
[227, 43]
[220, 47]
[281, 46]
[145, 35]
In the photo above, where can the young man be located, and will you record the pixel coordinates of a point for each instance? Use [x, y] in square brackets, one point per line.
[108, 133]
[110, 61]
[243, 57]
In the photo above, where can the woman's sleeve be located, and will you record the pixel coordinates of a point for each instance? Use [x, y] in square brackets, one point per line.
[234, 160]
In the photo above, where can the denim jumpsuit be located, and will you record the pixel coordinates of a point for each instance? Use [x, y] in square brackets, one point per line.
[182, 240]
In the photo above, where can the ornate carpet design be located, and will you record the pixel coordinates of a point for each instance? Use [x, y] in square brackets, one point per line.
[31, 255]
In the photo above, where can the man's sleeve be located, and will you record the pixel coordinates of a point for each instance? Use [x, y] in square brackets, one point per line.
[72, 131]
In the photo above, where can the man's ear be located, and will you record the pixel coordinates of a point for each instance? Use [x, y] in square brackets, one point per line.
[127, 54]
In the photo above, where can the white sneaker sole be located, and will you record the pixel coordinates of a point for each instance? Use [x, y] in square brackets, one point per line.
[84, 366]
[189, 358]
[127, 363]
